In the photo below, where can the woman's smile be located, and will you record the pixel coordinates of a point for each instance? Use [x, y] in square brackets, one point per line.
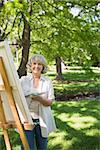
[37, 67]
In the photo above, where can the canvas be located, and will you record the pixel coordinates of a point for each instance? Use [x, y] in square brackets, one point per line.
[19, 98]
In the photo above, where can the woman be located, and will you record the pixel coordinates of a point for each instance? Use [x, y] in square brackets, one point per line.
[39, 94]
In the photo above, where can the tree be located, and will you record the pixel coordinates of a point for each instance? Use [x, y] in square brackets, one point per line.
[50, 28]
[21, 17]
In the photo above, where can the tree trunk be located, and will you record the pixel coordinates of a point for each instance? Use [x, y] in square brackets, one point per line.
[1, 3]
[58, 69]
[25, 49]
[25, 42]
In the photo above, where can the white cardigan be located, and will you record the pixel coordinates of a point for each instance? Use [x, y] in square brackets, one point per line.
[46, 118]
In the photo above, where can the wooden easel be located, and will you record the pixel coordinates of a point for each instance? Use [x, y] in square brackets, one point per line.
[5, 86]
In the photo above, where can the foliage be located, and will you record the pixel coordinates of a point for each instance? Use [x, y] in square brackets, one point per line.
[55, 30]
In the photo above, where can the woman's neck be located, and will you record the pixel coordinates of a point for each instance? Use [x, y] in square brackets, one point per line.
[36, 76]
[36, 79]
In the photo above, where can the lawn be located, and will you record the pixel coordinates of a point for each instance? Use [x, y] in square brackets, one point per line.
[78, 122]
[77, 83]
[78, 127]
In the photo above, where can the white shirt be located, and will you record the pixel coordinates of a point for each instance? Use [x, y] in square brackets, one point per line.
[45, 116]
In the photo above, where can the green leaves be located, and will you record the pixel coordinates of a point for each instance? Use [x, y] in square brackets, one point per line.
[54, 28]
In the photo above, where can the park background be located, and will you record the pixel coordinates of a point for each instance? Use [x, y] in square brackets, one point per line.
[67, 33]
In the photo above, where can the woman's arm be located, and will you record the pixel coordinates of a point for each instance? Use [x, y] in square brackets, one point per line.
[42, 100]
[47, 99]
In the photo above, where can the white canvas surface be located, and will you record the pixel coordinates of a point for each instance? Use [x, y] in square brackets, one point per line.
[19, 98]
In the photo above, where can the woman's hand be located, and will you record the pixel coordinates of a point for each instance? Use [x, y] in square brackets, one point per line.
[36, 98]
[42, 100]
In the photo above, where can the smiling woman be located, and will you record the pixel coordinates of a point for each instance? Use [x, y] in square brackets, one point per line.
[40, 59]
[39, 94]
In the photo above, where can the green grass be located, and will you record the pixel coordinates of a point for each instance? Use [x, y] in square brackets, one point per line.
[76, 81]
[78, 122]
[78, 126]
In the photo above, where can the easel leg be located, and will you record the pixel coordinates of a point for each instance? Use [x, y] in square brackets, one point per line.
[7, 141]
[5, 133]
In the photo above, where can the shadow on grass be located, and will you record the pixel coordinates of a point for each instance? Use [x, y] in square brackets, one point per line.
[78, 126]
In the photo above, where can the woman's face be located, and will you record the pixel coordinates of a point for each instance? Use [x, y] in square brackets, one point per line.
[36, 67]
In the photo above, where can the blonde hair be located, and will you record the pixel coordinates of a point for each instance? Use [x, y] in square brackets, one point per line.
[41, 59]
